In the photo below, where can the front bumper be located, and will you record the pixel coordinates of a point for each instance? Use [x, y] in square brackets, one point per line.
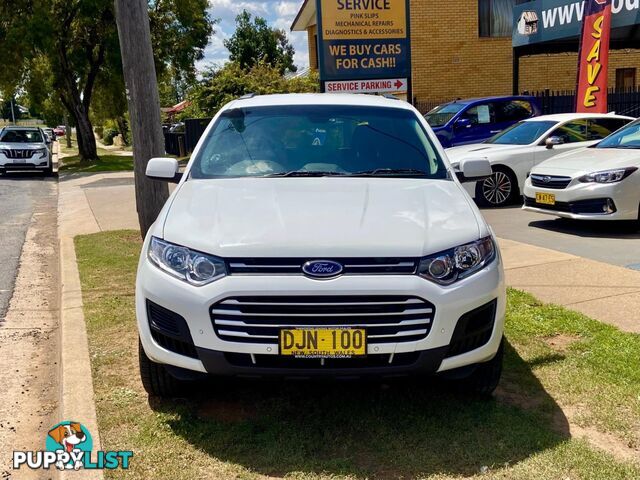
[586, 201]
[220, 357]
[34, 163]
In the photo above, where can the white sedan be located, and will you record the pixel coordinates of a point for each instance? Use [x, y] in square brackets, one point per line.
[516, 150]
[597, 183]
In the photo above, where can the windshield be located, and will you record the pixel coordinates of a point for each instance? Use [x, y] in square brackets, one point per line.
[440, 115]
[522, 133]
[20, 136]
[316, 141]
[626, 137]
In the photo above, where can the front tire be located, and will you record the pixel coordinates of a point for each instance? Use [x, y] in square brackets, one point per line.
[48, 172]
[486, 376]
[156, 380]
[498, 190]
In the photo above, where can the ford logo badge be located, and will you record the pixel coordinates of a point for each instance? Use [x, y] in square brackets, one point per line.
[322, 268]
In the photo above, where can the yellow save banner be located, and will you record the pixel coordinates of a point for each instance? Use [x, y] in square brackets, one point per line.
[363, 19]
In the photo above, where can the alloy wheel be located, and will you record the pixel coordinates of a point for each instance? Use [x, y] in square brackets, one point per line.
[497, 188]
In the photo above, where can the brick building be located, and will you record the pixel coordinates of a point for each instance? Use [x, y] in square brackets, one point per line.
[463, 48]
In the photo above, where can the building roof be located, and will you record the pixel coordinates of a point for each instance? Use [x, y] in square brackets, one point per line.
[306, 16]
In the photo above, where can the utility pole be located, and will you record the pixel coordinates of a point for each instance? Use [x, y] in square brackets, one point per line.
[13, 115]
[141, 82]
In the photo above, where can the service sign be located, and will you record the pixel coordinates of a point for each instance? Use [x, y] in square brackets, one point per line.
[364, 40]
[384, 85]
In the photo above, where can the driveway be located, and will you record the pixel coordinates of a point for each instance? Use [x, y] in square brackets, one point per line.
[616, 243]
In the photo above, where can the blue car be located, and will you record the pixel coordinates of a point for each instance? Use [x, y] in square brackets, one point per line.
[477, 119]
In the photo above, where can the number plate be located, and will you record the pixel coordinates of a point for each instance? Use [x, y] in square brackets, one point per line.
[323, 342]
[545, 198]
[19, 160]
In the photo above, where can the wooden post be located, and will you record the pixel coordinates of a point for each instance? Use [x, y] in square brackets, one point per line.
[139, 70]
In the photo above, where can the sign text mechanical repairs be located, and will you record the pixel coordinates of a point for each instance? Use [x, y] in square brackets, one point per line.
[363, 39]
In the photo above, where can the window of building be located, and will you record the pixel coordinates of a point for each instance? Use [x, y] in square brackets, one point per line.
[625, 78]
[495, 18]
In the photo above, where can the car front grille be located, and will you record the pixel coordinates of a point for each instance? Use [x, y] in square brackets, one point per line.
[550, 181]
[351, 266]
[258, 319]
[16, 153]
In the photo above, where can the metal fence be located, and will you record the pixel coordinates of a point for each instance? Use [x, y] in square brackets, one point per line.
[182, 144]
[194, 128]
[623, 102]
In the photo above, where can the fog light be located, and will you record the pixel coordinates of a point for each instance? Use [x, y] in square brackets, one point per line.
[608, 207]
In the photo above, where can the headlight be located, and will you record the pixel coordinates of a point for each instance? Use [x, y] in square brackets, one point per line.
[607, 176]
[42, 152]
[193, 267]
[456, 263]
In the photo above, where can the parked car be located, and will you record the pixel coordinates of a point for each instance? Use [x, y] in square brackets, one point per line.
[473, 120]
[514, 151]
[319, 235]
[24, 148]
[50, 134]
[60, 131]
[601, 182]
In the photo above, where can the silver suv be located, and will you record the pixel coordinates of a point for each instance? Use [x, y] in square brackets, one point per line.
[24, 148]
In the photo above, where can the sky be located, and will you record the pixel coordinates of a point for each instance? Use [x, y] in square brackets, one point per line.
[278, 13]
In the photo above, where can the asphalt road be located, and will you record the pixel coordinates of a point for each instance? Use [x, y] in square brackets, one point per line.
[617, 243]
[19, 195]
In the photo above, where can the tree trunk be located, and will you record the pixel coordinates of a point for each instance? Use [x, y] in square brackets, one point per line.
[122, 127]
[139, 70]
[87, 147]
[67, 129]
[86, 139]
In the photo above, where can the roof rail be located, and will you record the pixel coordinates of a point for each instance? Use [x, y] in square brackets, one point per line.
[390, 96]
[246, 96]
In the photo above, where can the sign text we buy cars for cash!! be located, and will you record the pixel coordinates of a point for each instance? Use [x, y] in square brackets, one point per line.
[364, 40]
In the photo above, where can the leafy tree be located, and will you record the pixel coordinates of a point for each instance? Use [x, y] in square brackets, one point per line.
[5, 110]
[79, 41]
[220, 86]
[254, 42]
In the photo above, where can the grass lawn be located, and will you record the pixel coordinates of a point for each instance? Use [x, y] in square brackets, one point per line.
[106, 163]
[562, 370]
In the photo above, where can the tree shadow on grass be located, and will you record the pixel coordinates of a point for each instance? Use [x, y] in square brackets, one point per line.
[410, 428]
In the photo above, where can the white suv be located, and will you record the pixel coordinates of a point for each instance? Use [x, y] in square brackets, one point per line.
[319, 235]
[24, 148]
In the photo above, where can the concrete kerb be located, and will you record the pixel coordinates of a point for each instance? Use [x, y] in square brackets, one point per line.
[77, 398]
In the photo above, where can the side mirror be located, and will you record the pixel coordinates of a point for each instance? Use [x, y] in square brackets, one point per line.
[551, 141]
[463, 123]
[163, 168]
[474, 169]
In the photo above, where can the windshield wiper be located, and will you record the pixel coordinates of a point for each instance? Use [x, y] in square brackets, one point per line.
[391, 171]
[304, 173]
